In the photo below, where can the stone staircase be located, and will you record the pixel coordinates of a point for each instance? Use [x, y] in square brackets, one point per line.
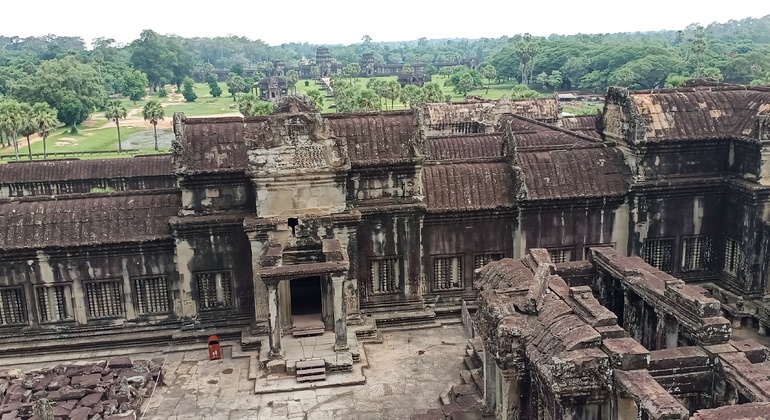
[311, 370]
[400, 314]
[463, 401]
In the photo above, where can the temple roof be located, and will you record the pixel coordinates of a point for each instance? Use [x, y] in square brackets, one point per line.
[377, 138]
[211, 145]
[70, 170]
[583, 124]
[469, 186]
[694, 113]
[574, 173]
[469, 146]
[86, 220]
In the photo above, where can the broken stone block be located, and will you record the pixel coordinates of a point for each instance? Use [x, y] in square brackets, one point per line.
[10, 415]
[44, 382]
[110, 406]
[276, 367]
[80, 413]
[88, 381]
[120, 362]
[58, 382]
[128, 415]
[91, 400]
[70, 393]
[12, 406]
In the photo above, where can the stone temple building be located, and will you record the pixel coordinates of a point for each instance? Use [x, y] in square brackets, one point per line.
[252, 225]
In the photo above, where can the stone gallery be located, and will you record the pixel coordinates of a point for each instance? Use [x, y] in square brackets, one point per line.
[607, 258]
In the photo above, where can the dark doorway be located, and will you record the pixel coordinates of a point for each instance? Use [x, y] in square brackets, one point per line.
[306, 296]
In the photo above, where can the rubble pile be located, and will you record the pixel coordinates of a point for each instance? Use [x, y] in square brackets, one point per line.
[111, 389]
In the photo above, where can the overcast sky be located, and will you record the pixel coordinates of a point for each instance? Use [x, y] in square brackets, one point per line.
[346, 21]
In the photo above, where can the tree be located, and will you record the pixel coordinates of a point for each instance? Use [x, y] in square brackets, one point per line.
[526, 50]
[152, 54]
[27, 126]
[317, 97]
[249, 105]
[432, 93]
[675, 81]
[115, 111]
[235, 84]
[189, 92]
[133, 84]
[215, 90]
[74, 89]
[292, 77]
[366, 39]
[411, 95]
[555, 79]
[489, 72]
[368, 100]
[352, 71]
[11, 121]
[392, 91]
[522, 91]
[44, 119]
[153, 112]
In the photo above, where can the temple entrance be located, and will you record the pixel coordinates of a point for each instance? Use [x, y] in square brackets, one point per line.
[306, 306]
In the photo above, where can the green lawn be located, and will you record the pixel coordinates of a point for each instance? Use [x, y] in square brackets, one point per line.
[83, 141]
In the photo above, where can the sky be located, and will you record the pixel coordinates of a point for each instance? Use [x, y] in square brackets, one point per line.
[346, 21]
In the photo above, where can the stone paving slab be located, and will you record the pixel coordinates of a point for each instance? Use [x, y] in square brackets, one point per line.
[405, 375]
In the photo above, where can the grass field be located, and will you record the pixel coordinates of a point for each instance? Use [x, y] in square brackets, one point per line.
[84, 141]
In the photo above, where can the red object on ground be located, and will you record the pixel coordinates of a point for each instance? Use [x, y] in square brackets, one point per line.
[215, 350]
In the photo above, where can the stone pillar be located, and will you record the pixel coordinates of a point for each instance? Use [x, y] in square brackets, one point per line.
[274, 320]
[661, 334]
[672, 332]
[340, 316]
[490, 389]
[627, 409]
[762, 329]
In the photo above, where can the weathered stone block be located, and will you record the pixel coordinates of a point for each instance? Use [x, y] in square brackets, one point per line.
[276, 367]
[91, 400]
[80, 413]
[120, 362]
[626, 353]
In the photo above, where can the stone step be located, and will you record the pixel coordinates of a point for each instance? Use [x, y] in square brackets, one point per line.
[478, 380]
[469, 363]
[466, 376]
[307, 332]
[310, 370]
[404, 318]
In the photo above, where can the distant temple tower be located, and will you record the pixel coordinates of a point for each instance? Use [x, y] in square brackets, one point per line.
[323, 59]
[279, 68]
[367, 64]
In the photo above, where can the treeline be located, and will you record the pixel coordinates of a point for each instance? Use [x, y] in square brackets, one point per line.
[76, 80]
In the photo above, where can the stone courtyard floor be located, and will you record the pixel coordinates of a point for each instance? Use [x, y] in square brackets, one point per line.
[406, 373]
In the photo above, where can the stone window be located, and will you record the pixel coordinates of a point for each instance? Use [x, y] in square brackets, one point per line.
[733, 257]
[560, 255]
[12, 309]
[151, 295]
[447, 273]
[104, 299]
[659, 253]
[481, 260]
[587, 248]
[53, 303]
[215, 290]
[384, 275]
[697, 253]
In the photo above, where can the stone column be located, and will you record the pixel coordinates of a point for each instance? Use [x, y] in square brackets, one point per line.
[490, 374]
[762, 330]
[672, 332]
[661, 333]
[274, 320]
[340, 316]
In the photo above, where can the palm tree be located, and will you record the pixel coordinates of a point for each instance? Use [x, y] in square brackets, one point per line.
[154, 112]
[11, 122]
[43, 117]
[115, 111]
[392, 91]
[28, 127]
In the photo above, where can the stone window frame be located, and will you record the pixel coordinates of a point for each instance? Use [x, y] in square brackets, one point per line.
[563, 254]
[492, 256]
[665, 266]
[450, 285]
[16, 312]
[139, 305]
[121, 304]
[704, 259]
[587, 248]
[399, 283]
[734, 257]
[225, 304]
[40, 300]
